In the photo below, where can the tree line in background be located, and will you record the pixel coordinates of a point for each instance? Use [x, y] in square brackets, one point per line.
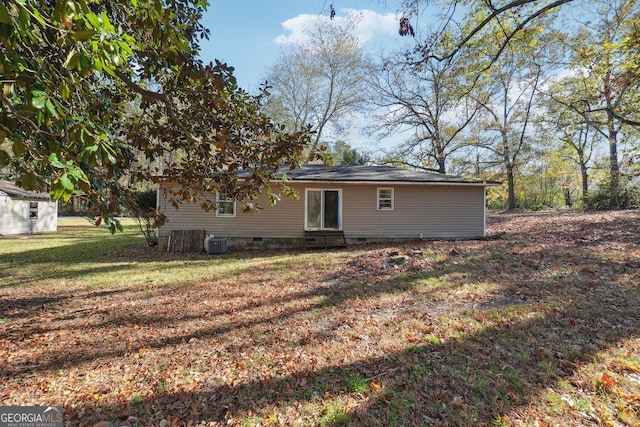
[100, 99]
[529, 93]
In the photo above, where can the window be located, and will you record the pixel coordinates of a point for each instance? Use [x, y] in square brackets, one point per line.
[323, 209]
[385, 199]
[33, 210]
[226, 205]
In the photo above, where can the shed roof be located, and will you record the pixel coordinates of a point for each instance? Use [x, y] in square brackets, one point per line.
[375, 174]
[10, 189]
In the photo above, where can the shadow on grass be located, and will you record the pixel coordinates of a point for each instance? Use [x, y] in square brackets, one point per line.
[74, 240]
[84, 258]
[469, 380]
[465, 380]
[12, 308]
[41, 273]
[539, 329]
[74, 354]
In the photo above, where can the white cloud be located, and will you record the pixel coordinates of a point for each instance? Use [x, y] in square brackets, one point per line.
[370, 25]
[294, 28]
[373, 24]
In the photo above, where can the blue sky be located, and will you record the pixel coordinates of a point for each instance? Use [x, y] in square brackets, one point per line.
[248, 35]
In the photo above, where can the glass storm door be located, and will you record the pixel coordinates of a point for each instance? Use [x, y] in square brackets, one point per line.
[323, 210]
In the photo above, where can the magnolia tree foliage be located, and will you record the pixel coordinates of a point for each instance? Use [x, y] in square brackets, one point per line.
[101, 96]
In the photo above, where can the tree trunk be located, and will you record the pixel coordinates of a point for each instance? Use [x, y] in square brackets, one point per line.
[612, 136]
[614, 168]
[567, 196]
[585, 178]
[511, 187]
[584, 173]
[508, 163]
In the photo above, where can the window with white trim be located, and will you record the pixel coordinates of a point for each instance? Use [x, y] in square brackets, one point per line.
[385, 199]
[33, 210]
[226, 205]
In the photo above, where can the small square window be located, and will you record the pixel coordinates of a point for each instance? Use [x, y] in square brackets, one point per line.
[385, 199]
[33, 209]
[226, 205]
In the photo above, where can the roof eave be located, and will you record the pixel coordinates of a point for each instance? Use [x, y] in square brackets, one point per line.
[394, 182]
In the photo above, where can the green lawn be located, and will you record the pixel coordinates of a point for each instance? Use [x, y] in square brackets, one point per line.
[540, 327]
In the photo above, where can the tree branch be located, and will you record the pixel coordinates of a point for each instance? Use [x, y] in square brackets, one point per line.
[494, 14]
[622, 119]
[154, 96]
[402, 162]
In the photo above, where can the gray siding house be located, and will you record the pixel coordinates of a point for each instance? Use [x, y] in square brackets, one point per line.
[26, 212]
[355, 204]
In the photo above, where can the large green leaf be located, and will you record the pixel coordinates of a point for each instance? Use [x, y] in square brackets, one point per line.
[5, 18]
[19, 147]
[93, 20]
[5, 159]
[51, 107]
[64, 90]
[38, 98]
[84, 34]
[55, 162]
[66, 182]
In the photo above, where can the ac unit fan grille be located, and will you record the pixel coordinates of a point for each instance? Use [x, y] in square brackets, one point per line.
[217, 246]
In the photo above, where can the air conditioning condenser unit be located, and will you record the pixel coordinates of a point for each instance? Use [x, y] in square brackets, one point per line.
[217, 245]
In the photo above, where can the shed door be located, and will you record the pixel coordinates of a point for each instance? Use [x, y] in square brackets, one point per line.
[323, 210]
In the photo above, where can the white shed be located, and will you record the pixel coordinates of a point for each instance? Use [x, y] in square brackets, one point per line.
[25, 212]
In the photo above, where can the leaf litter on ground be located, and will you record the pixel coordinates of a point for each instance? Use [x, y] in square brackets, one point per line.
[539, 327]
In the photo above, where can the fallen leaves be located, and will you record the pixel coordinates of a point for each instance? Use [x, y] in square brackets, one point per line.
[624, 365]
[375, 385]
[459, 331]
[606, 381]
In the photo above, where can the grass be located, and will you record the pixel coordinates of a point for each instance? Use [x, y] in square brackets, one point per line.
[538, 328]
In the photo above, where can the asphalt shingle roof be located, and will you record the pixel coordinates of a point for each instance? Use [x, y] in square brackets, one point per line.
[9, 189]
[313, 172]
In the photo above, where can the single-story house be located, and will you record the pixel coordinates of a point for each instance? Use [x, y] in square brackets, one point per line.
[24, 212]
[351, 204]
